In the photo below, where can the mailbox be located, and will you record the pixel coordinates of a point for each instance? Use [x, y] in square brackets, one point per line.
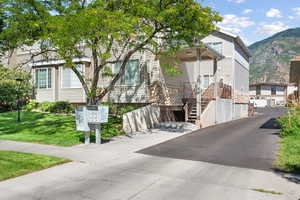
[97, 114]
[90, 115]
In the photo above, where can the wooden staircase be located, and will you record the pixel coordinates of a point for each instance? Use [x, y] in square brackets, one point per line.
[192, 115]
[208, 95]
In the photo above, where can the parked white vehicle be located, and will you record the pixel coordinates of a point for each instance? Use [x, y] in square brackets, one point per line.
[259, 103]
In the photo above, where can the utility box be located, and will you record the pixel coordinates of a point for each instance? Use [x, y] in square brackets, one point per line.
[90, 118]
[97, 114]
[86, 115]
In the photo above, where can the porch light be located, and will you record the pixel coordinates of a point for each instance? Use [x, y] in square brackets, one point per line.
[19, 81]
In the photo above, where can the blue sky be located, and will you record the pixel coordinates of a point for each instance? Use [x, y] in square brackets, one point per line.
[255, 20]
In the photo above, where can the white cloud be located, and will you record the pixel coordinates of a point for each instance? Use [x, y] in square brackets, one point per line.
[235, 21]
[273, 12]
[230, 29]
[247, 11]
[237, 1]
[291, 17]
[297, 11]
[234, 24]
[270, 29]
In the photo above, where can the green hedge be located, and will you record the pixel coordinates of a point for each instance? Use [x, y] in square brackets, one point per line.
[289, 155]
[52, 107]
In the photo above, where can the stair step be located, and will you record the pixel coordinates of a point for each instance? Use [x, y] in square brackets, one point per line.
[193, 117]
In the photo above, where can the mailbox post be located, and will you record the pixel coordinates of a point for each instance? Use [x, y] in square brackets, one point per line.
[90, 118]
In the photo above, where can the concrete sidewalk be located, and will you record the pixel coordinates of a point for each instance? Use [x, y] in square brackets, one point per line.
[97, 153]
[115, 171]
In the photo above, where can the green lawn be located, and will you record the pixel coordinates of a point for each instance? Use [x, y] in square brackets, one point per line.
[40, 128]
[52, 129]
[289, 155]
[14, 164]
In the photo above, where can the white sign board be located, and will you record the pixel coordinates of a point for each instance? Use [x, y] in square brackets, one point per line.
[81, 119]
[97, 114]
[86, 115]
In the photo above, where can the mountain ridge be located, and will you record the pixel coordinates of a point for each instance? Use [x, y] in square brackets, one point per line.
[270, 60]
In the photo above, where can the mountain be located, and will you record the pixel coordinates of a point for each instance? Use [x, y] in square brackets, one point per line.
[271, 57]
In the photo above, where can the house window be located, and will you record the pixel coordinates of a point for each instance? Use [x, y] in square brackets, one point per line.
[258, 90]
[273, 90]
[217, 46]
[69, 79]
[131, 76]
[43, 78]
[206, 81]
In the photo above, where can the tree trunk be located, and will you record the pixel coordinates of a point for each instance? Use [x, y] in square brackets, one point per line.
[117, 77]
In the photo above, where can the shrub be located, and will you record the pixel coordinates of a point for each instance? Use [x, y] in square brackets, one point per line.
[32, 105]
[45, 106]
[61, 107]
[112, 128]
[290, 125]
[11, 90]
[112, 108]
[126, 109]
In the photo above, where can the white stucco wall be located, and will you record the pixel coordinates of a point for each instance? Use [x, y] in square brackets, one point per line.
[208, 117]
[240, 111]
[228, 46]
[265, 90]
[252, 91]
[291, 89]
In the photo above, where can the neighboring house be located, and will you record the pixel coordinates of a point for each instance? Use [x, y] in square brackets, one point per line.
[268, 94]
[212, 87]
[295, 74]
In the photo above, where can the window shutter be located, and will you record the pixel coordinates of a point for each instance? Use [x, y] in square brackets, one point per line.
[75, 82]
[116, 70]
[66, 78]
[49, 78]
[37, 78]
[70, 79]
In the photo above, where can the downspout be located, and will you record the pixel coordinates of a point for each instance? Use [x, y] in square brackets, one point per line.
[233, 83]
[199, 91]
[216, 88]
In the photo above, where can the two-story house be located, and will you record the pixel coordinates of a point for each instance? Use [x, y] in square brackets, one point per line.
[268, 94]
[212, 86]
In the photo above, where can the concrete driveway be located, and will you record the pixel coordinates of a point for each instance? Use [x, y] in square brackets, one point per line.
[114, 171]
[249, 143]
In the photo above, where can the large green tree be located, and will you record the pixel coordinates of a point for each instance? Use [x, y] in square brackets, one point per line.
[113, 30]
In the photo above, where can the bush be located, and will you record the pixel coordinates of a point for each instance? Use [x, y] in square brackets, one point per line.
[61, 107]
[112, 108]
[112, 128]
[119, 109]
[45, 106]
[11, 90]
[126, 109]
[290, 125]
[32, 105]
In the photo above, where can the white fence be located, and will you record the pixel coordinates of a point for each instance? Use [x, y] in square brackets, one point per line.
[141, 119]
[217, 112]
[224, 110]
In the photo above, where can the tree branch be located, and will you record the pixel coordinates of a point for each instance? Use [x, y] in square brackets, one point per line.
[81, 79]
[125, 60]
[37, 54]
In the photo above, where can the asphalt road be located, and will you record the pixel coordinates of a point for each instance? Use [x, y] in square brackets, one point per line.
[249, 143]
